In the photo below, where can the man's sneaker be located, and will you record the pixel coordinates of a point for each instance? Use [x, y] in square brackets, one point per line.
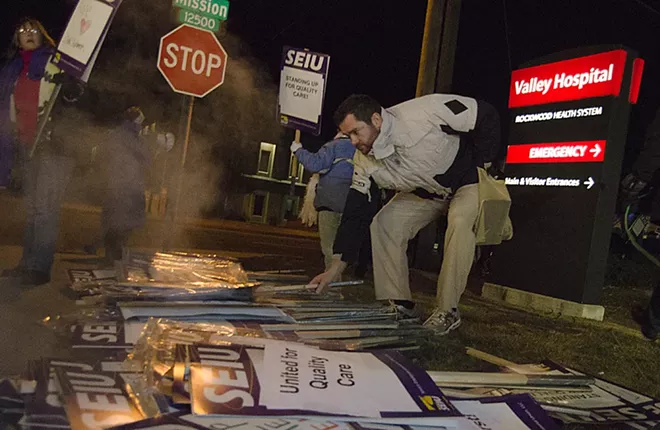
[403, 313]
[641, 316]
[442, 322]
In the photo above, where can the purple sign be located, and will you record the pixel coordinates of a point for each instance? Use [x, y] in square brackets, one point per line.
[303, 79]
[303, 381]
[84, 35]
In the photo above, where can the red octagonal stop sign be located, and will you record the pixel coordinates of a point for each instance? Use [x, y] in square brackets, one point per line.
[192, 61]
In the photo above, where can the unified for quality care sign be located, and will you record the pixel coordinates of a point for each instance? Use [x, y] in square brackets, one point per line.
[303, 79]
[569, 118]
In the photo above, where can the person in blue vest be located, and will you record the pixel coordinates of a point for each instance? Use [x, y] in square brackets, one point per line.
[334, 164]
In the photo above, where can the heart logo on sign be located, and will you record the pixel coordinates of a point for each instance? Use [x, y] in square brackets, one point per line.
[84, 25]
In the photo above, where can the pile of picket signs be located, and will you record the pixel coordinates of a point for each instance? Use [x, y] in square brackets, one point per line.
[176, 341]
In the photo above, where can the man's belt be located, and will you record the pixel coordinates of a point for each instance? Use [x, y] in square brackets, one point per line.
[426, 195]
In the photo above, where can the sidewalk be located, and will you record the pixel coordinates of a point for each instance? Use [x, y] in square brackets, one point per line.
[222, 224]
[13, 208]
[23, 337]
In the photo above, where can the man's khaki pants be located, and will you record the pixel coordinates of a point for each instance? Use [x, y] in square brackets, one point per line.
[400, 220]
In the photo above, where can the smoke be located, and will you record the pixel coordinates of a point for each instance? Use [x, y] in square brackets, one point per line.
[228, 124]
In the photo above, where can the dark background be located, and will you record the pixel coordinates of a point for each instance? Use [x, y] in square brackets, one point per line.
[375, 45]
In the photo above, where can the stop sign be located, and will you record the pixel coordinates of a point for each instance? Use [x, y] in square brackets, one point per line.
[192, 61]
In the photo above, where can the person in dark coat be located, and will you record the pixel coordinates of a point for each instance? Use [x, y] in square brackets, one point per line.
[126, 158]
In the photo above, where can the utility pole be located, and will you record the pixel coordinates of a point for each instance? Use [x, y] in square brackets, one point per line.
[436, 71]
[436, 63]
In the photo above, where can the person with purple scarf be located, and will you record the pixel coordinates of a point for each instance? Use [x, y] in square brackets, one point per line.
[20, 93]
[27, 83]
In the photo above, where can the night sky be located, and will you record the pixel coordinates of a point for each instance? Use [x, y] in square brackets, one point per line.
[375, 48]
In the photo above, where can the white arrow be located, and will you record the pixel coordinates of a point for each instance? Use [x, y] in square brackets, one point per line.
[590, 183]
[596, 150]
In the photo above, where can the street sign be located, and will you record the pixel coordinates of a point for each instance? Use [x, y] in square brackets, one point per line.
[198, 21]
[303, 80]
[569, 118]
[216, 9]
[192, 61]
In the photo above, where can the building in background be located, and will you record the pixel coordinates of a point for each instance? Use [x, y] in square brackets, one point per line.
[267, 196]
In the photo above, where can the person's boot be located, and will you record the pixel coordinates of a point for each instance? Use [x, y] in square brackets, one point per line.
[16, 272]
[32, 277]
[641, 316]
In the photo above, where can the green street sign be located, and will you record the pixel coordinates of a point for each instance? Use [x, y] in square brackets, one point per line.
[198, 21]
[217, 9]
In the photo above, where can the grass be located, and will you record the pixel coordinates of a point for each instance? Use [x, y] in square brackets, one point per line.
[527, 338]
[613, 349]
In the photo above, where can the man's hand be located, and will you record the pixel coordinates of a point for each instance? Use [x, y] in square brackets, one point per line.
[322, 281]
[295, 146]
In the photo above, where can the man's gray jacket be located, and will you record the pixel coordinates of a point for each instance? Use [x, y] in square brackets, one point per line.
[430, 146]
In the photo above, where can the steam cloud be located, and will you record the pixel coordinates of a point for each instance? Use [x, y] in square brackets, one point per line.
[228, 124]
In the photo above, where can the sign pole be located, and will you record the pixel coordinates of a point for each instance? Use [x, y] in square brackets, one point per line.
[294, 164]
[301, 98]
[45, 118]
[184, 155]
[181, 73]
[294, 167]
[191, 103]
[179, 186]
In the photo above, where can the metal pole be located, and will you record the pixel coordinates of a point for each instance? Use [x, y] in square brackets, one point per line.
[191, 103]
[185, 126]
[179, 186]
[45, 116]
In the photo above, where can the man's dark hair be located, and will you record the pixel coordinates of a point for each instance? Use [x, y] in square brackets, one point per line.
[360, 105]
